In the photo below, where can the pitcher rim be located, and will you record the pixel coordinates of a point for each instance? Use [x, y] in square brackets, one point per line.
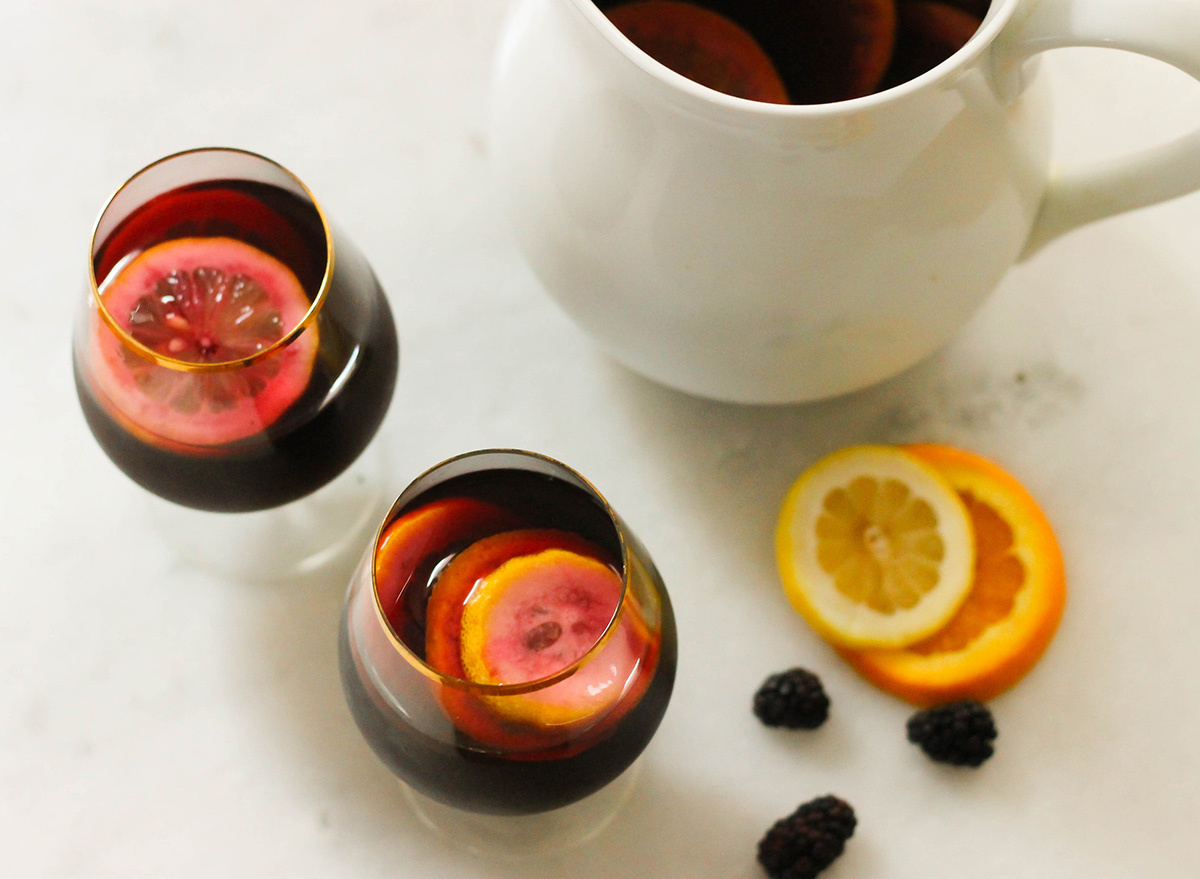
[998, 14]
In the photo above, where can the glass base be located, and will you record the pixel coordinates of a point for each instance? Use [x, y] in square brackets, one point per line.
[525, 837]
[284, 542]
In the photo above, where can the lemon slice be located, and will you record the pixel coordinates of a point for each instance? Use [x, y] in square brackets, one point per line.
[875, 548]
[534, 616]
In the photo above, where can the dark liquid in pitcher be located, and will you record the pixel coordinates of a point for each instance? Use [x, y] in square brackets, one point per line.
[798, 51]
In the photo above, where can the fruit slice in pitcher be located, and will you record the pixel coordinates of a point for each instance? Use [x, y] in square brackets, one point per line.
[203, 300]
[703, 46]
[927, 33]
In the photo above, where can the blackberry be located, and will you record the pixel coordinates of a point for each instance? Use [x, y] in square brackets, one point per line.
[810, 839]
[960, 733]
[793, 698]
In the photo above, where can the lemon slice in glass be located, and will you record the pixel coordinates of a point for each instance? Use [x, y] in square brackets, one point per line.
[875, 548]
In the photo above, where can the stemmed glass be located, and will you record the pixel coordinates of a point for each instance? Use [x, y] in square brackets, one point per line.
[234, 354]
[508, 650]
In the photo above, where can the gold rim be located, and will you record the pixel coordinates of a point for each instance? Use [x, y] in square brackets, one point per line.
[219, 366]
[503, 689]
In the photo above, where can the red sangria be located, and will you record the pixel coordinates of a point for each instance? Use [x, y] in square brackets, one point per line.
[235, 352]
[507, 646]
[798, 51]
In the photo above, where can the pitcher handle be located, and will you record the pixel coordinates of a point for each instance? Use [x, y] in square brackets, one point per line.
[1167, 30]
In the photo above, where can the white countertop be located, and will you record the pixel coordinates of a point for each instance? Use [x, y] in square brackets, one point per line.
[156, 721]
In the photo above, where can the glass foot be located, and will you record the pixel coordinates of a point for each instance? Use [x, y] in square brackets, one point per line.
[525, 837]
[288, 541]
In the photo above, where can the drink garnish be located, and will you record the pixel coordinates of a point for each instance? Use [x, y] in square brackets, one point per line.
[795, 699]
[203, 300]
[1010, 613]
[959, 733]
[875, 548]
[810, 839]
[536, 615]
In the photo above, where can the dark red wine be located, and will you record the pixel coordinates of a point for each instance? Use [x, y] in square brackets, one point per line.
[342, 389]
[461, 775]
[482, 756]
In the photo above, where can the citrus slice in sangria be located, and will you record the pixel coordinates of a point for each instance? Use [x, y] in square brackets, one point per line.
[203, 300]
[538, 614]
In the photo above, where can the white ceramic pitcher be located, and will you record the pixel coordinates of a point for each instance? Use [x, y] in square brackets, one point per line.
[766, 253]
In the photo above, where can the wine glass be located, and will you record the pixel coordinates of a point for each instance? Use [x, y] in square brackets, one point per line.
[508, 650]
[235, 354]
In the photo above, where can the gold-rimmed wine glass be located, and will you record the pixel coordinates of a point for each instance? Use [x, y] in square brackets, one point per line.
[235, 353]
[508, 650]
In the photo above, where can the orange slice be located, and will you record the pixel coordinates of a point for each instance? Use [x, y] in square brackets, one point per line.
[702, 45]
[1012, 609]
[426, 533]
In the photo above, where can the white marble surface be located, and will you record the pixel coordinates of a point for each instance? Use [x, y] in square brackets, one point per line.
[155, 721]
